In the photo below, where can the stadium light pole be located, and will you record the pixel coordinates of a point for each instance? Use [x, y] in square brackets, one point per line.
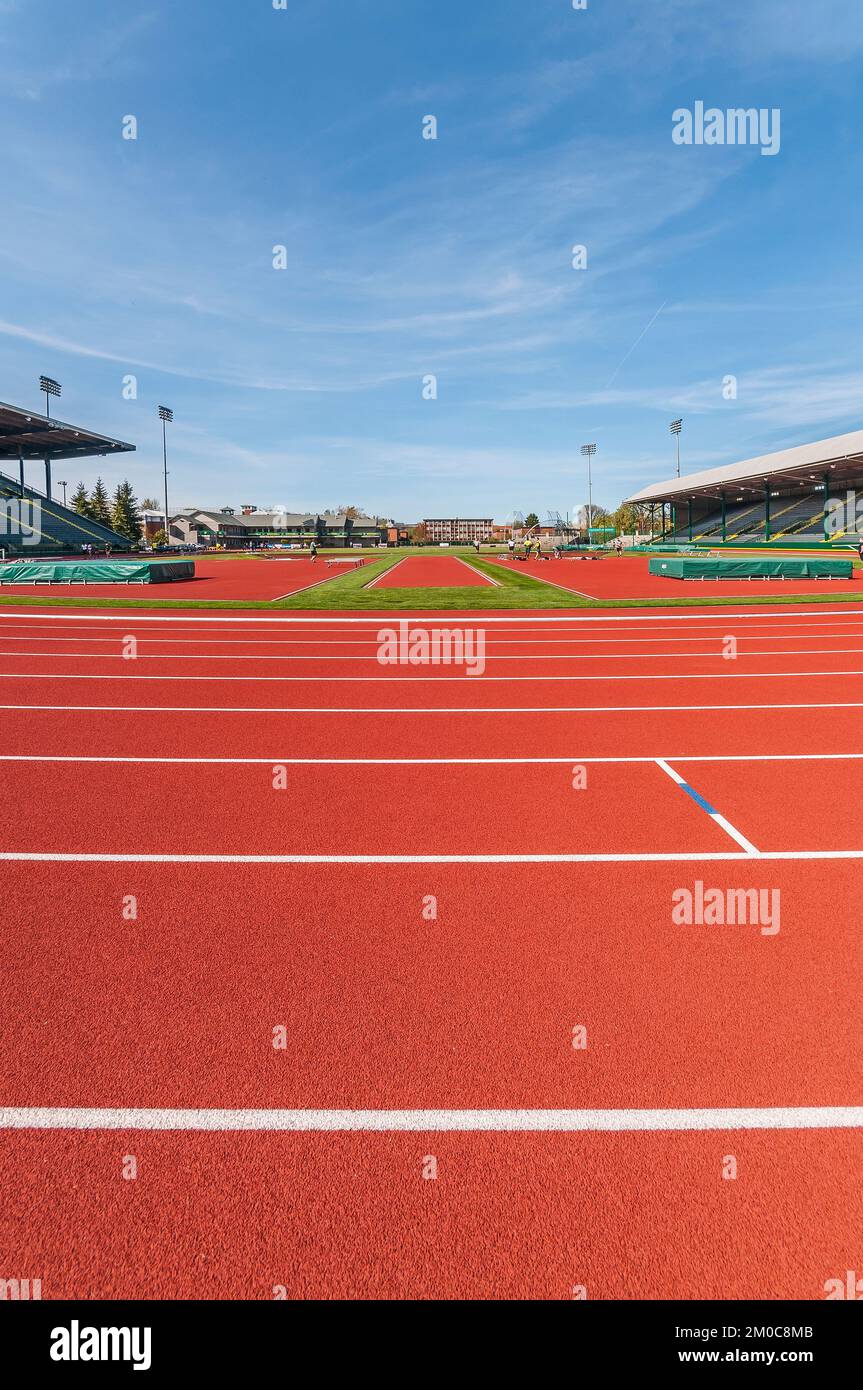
[63, 486]
[51, 388]
[588, 451]
[166, 416]
[676, 426]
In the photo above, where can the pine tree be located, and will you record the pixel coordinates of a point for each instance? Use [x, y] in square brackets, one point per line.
[100, 506]
[81, 501]
[124, 516]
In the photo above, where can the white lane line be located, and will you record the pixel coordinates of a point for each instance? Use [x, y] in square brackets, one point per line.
[415, 709]
[664, 763]
[389, 570]
[701, 857]
[406, 1121]
[316, 584]
[486, 578]
[309, 636]
[347, 657]
[714, 815]
[430, 617]
[433, 680]
[199, 641]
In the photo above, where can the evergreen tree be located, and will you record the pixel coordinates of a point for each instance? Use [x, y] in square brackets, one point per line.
[81, 501]
[124, 516]
[100, 506]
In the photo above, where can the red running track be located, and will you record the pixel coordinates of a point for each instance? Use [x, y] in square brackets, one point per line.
[387, 1008]
[242, 579]
[627, 577]
[526, 1216]
[433, 572]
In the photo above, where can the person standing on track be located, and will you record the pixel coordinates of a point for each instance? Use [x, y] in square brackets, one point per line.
[313, 551]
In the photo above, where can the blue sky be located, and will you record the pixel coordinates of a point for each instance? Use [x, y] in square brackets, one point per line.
[409, 257]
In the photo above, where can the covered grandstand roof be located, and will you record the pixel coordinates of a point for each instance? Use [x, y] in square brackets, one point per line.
[842, 456]
[33, 436]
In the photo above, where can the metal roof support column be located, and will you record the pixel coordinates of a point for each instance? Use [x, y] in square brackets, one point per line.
[826, 500]
[767, 511]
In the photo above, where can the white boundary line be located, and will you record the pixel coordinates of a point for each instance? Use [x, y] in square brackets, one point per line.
[414, 709]
[407, 1121]
[199, 640]
[309, 636]
[486, 578]
[700, 857]
[390, 569]
[430, 617]
[432, 680]
[348, 657]
[327, 579]
[276, 759]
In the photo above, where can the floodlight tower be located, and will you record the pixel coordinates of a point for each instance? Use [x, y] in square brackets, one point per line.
[588, 450]
[51, 388]
[166, 416]
[676, 427]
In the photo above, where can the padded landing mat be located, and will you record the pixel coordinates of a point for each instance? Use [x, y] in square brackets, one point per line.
[697, 567]
[97, 571]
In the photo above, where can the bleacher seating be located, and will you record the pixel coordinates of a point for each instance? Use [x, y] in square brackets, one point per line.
[800, 517]
[61, 529]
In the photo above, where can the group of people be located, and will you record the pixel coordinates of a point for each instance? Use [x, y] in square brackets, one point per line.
[531, 547]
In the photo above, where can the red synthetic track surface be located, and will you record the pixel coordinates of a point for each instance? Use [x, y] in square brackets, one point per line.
[433, 572]
[627, 577]
[244, 578]
[387, 1010]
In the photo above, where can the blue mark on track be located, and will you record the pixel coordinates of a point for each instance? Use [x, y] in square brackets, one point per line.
[705, 805]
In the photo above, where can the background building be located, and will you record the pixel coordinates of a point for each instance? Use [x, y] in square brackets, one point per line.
[458, 530]
[234, 529]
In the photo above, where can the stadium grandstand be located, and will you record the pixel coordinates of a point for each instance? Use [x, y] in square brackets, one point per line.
[805, 496]
[32, 522]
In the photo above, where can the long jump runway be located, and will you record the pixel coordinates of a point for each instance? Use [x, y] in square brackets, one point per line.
[330, 979]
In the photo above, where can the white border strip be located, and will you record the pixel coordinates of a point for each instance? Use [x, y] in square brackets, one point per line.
[442, 762]
[486, 578]
[401, 1121]
[327, 579]
[390, 569]
[414, 709]
[430, 616]
[700, 857]
[347, 658]
[432, 680]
